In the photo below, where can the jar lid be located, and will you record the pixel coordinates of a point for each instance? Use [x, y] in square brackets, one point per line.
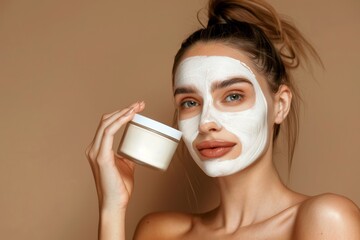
[157, 126]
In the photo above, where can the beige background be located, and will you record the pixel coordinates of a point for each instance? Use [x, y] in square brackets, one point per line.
[65, 63]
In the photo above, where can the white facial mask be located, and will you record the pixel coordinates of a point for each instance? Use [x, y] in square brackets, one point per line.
[249, 126]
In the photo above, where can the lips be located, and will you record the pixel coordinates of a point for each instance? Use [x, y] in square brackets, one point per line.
[214, 148]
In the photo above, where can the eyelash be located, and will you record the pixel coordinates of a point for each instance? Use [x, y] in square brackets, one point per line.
[190, 103]
[185, 102]
[239, 97]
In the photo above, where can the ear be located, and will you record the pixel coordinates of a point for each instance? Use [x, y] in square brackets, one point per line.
[282, 103]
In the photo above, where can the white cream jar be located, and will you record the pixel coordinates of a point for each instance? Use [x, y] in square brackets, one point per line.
[149, 142]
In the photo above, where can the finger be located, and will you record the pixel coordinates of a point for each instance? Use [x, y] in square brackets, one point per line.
[106, 116]
[109, 132]
[140, 107]
[115, 125]
[95, 171]
[105, 122]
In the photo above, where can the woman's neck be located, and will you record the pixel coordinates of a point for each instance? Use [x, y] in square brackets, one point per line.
[252, 195]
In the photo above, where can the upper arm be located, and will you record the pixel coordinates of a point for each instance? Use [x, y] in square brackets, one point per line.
[162, 226]
[328, 217]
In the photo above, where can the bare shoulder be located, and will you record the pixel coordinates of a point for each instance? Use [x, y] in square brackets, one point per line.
[328, 216]
[163, 225]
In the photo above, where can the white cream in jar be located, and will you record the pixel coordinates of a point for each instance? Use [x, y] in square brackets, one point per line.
[149, 142]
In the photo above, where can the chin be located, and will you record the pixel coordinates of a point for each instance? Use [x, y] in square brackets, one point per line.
[220, 168]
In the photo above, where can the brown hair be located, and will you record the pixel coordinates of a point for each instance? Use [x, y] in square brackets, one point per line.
[273, 43]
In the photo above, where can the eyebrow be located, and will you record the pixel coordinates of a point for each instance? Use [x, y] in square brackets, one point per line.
[227, 83]
[217, 85]
[184, 90]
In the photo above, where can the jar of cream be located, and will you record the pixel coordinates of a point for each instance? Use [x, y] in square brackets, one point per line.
[149, 142]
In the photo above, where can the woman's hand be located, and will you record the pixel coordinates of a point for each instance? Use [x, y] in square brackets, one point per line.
[113, 174]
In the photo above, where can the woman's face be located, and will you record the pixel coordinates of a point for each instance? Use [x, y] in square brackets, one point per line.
[222, 109]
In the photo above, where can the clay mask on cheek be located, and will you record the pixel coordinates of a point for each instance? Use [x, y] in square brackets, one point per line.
[249, 126]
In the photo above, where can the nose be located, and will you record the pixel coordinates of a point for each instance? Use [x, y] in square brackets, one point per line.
[208, 122]
[209, 127]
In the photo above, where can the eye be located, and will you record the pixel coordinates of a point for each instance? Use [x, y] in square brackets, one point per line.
[234, 97]
[189, 104]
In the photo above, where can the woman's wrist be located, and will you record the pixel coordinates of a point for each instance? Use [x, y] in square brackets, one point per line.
[112, 209]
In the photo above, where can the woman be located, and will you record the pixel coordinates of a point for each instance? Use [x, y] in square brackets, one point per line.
[233, 90]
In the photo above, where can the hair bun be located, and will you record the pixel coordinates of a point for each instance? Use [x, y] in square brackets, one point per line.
[289, 42]
[216, 12]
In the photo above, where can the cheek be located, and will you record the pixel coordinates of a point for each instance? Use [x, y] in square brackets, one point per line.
[268, 95]
[189, 128]
[188, 113]
[271, 114]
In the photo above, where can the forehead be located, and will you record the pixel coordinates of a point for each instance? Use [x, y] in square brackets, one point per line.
[205, 70]
[217, 49]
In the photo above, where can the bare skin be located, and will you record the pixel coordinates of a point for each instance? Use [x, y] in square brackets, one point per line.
[254, 203]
